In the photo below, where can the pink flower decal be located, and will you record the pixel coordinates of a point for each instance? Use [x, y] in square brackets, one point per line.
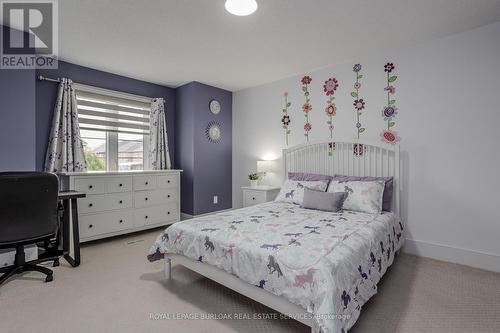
[357, 85]
[306, 107]
[359, 104]
[389, 67]
[390, 137]
[358, 149]
[306, 80]
[331, 110]
[330, 86]
[389, 112]
[307, 127]
[390, 89]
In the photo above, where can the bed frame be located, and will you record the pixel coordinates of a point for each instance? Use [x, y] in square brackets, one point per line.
[353, 158]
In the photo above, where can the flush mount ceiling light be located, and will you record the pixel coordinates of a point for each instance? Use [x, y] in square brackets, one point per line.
[241, 7]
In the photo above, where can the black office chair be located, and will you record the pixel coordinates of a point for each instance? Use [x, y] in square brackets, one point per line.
[28, 214]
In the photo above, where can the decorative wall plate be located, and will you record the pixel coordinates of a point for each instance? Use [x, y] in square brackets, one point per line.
[214, 132]
[214, 106]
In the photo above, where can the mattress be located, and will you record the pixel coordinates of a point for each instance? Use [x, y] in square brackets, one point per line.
[328, 263]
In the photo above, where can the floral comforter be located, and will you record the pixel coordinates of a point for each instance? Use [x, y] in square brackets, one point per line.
[328, 263]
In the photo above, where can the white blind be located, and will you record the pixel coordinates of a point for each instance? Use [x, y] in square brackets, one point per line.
[101, 112]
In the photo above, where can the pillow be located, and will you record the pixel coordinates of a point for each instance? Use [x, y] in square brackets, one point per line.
[387, 199]
[308, 176]
[362, 196]
[319, 200]
[293, 190]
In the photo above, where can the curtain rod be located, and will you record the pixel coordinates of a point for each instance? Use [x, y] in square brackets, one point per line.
[101, 90]
[43, 78]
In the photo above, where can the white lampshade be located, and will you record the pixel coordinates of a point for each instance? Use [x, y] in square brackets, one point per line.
[265, 166]
[241, 7]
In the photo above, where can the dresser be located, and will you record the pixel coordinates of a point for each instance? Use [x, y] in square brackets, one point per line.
[259, 194]
[122, 202]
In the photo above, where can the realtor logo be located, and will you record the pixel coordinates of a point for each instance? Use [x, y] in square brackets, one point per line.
[29, 34]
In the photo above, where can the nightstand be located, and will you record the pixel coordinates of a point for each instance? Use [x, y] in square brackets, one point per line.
[257, 195]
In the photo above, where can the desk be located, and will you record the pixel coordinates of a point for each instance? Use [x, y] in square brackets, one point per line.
[70, 232]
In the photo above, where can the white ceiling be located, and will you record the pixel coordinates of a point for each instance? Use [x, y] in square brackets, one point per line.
[172, 42]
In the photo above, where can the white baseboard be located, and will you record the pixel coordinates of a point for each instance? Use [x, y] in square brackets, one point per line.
[185, 216]
[482, 260]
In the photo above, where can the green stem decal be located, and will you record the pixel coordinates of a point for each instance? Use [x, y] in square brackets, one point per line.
[390, 111]
[307, 107]
[286, 117]
[359, 103]
[329, 88]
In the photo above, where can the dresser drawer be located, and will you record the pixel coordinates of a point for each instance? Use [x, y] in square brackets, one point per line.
[90, 185]
[154, 198]
[251, 198]
[118, 184]
[156, 214]
[97, 224]
[104, 202]
[168, 181]
[145, 182]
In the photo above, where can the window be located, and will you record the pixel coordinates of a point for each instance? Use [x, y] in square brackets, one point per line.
[114, 128]
[94, 144]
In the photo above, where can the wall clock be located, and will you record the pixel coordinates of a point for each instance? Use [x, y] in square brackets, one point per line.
[214, 132]
[214, 106]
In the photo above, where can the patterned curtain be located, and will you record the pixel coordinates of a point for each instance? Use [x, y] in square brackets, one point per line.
[159, 157]
[65, 151]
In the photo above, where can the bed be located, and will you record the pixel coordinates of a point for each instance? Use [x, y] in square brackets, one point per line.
[316, 267]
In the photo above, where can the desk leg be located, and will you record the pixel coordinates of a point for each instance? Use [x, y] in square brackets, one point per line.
[75, 236]
[65, 227]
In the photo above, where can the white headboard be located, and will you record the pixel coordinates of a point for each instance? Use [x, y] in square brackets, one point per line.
[339, 157]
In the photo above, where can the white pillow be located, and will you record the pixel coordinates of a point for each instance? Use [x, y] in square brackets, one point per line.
[362, 196]
[293, 190]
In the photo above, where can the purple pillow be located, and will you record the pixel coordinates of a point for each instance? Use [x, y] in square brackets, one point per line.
[387, 197]
[303, 176]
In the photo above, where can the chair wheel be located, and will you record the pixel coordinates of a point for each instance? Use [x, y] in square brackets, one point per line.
[49, 278]
[56, 263]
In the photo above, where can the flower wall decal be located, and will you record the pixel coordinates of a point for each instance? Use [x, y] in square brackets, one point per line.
[285, 120]
[307, 107]
[359, 103]
[390, 111]
[330, 87]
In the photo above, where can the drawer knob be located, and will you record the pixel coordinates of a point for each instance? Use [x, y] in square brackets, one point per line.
[146, 183]
[168, 196]
[253, 198]
[121, 221]
[121, 185]
[90, 226]
[146, 217]
[146, 199]
[121, 201]
[90, 205]
[168, 181]
[168, 213]
[90, 186]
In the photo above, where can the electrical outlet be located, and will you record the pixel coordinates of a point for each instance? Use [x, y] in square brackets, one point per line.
[216, 199]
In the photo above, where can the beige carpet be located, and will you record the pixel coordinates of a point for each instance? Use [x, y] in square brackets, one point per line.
[115, 290]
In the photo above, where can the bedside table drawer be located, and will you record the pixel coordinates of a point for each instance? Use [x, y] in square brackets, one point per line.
[251, 198]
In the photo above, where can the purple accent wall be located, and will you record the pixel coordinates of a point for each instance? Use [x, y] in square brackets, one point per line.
[17, 119]
[46, 93]
[207, 166]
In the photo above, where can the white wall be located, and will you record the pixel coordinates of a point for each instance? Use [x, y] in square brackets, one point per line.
[448, 94]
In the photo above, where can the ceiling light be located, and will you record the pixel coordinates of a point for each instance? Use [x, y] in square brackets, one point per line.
[241, 7]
